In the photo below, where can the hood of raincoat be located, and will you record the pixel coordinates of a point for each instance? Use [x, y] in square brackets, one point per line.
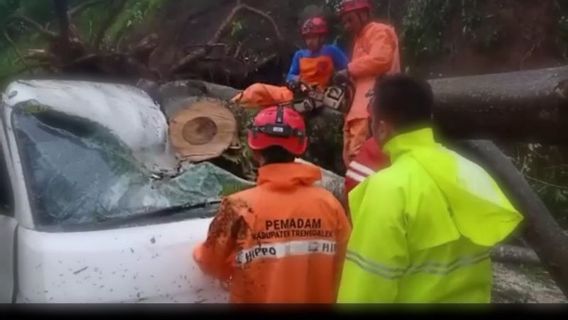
[477, 206]
[288, 175]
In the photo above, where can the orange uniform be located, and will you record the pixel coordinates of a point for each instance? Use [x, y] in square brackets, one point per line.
[281, 242]
[376, 52]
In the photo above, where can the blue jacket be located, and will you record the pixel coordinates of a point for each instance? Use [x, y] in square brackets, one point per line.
[340, 60]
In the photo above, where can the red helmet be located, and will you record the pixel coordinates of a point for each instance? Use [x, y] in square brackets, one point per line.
[279, 126]
[315, 26]
[347, 6]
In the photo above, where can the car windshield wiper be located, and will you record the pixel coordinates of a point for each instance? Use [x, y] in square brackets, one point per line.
[176, 209]
[137, 219]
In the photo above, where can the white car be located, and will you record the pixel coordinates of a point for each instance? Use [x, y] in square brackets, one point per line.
[94, 208]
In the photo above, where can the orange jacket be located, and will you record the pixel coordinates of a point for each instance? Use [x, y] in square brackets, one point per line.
[281, 242]
[376, 52]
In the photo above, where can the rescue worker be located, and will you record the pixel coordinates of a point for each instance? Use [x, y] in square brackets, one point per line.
[369, 161]
[283, 241]
[423, 228]
[375, 53]
[314, 66]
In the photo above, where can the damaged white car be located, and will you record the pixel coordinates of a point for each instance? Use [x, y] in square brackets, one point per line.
[94, 207]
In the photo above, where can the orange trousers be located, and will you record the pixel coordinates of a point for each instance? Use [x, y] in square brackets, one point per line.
[355, 134]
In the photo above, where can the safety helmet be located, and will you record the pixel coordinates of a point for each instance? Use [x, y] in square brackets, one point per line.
[278, 126]
[315, 26]
[347, 6]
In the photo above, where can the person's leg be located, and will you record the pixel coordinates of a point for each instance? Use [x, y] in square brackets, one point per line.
[356, 133]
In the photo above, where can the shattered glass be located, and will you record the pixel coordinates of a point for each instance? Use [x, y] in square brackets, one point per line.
[78, 173]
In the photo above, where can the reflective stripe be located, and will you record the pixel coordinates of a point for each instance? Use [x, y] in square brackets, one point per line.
[444, 269]
[373, 267]
[361, 168]
[286, 249]
[427, 267]
[355, 176]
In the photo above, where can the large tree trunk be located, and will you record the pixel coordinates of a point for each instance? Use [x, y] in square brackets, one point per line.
[527, 106]
[541, 231]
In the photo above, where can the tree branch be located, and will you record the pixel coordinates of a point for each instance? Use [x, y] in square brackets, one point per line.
[202, 52]
[84, 6]
[61, 9]
[13, 45]
[35, 25]
[116, 9]
[265, 16]
[548, 184]
[232, 15]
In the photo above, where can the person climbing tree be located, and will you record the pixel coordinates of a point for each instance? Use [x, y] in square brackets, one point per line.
[314, 66]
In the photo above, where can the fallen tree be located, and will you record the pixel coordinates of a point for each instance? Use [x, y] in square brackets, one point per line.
[529, 106]
[541, 231]
[517, 255]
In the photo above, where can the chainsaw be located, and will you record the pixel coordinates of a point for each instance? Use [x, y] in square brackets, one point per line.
[308, 99]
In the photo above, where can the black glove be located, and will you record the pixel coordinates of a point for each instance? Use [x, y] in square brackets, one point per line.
[341, 77]
[293, 85]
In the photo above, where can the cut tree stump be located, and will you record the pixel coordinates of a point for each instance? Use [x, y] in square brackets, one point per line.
[203, 130]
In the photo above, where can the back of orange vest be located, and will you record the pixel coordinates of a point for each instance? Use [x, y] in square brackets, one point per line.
[294, 248]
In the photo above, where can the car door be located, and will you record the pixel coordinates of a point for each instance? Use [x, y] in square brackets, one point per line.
[8, 227]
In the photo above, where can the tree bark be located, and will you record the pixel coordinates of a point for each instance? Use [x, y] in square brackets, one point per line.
[529, 106]
[516, 255]
[541, 231]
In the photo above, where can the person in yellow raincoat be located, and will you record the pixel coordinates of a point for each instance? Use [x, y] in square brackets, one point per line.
[375, 53]
[424, 227]
[314, 65]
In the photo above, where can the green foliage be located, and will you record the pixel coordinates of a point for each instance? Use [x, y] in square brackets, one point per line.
[546, 169]
[134, 13]
[89, 22]
[423, 27]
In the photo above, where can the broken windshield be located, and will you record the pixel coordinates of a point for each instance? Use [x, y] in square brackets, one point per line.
[78, 173]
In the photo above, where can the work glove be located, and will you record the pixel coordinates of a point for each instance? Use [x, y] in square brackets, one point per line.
[293, 85]
[341, 77]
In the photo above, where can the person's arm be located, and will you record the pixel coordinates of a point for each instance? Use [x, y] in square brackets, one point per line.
[380, 57]
[377, 255]
[214, 256]
[340, 60]
[294, 72]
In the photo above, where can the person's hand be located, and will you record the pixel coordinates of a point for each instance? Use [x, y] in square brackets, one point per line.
[293, 85]
[341, 77]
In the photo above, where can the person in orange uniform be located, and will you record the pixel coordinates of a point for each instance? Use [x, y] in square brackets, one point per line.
[370, 159]
[313, 66]
[283, 241]
[375, 53]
